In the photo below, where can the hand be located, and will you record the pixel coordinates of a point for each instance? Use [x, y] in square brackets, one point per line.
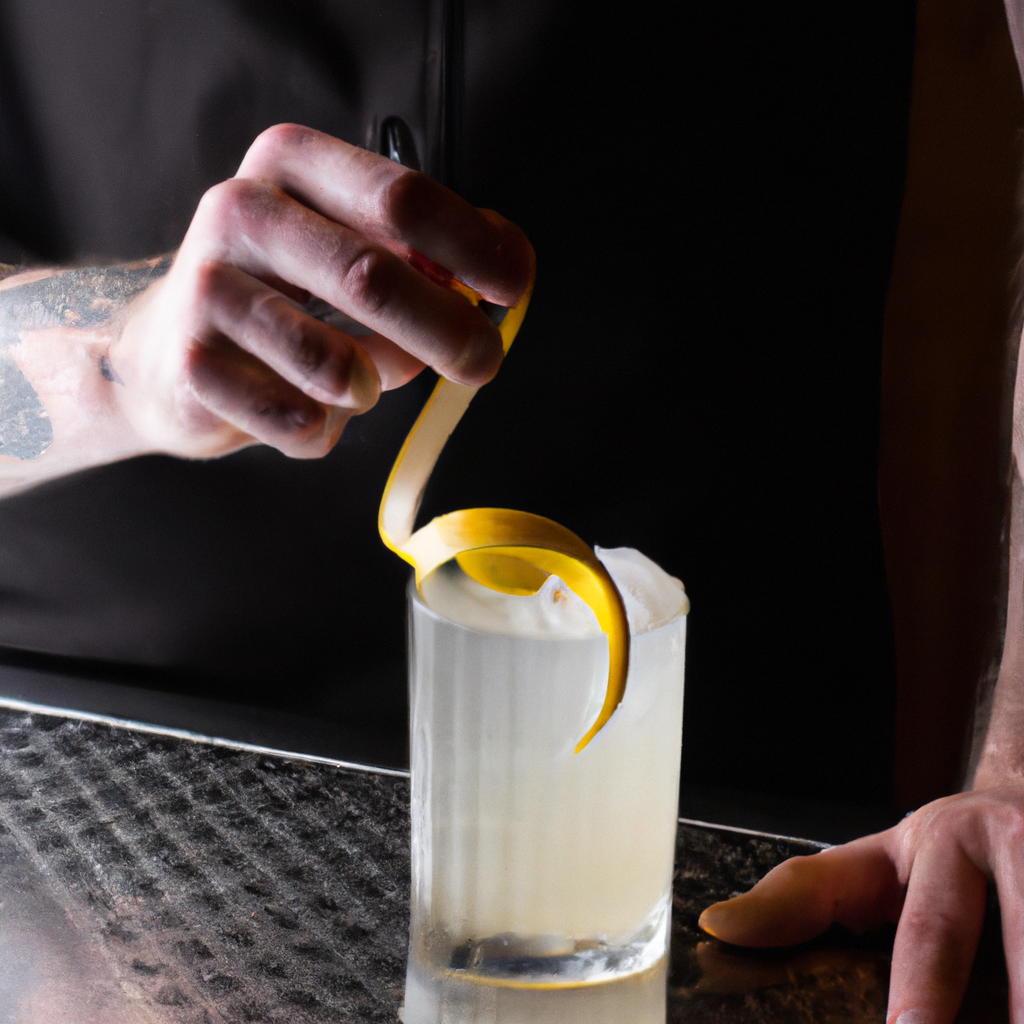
[219, 353]
[929, 874]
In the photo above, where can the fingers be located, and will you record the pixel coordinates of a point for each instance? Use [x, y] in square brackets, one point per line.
[943, 855]
[324, 363]
[854, 885]
[248, 395]
[380, 199]
[266, 368]
[394, 365]
[937, 935]
[257, 228]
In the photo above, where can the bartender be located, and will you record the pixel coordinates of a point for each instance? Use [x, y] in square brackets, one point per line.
[211, 351]
[288, 307]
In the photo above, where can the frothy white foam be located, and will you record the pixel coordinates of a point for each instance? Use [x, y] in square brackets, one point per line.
[652, 598]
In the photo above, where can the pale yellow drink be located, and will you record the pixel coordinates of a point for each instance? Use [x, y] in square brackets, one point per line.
[533, 865]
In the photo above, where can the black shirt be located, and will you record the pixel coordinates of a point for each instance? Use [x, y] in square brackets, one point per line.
[713, 206]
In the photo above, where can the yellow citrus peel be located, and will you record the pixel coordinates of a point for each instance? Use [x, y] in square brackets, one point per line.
[511, 552]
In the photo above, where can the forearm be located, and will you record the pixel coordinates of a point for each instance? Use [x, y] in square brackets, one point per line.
[946, 357]
[1002, 757]
[61, 408]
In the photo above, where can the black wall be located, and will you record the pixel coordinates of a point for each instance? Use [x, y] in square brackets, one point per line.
[714, 205]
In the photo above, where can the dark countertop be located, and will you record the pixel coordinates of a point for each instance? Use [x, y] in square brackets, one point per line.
[150, 880]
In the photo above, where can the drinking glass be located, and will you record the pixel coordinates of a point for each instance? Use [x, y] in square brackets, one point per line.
[534, 867]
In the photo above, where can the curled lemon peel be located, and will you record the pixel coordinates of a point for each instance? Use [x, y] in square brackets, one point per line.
[508, 551]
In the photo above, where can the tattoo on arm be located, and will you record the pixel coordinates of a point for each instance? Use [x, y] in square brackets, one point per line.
[78, 299]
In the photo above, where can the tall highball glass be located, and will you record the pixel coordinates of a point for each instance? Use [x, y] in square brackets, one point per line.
[536, 869]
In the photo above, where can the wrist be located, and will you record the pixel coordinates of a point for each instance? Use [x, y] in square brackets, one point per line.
[1000, 765]
[61, 410]
[150, 359]
[1002, 754]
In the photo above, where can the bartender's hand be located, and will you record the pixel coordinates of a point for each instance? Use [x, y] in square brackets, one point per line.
[929, 874]
[211, 350]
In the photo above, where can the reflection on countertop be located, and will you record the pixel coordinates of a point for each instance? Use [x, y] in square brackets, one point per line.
[154, 880]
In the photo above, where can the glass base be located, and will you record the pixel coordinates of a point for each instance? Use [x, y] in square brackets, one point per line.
[455, 998]
[507, 978]
[553, 960]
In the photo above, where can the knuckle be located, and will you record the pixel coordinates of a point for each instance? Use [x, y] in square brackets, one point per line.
[1013, 825]
[303, 342]
[234, 200]
[297, 430]
[218, 204]
[310, 354]
[369, 280]
[292, 417]
[281, 412]
[290, 333]
[404, 201]
[909, 837]
[210, 282]
[218, 199]
[798, 864]
[478, 356]
[920, 921]
[795, 869]
[271, 145]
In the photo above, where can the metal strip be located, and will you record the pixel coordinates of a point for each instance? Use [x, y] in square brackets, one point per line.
[753, 832]
[194, 737]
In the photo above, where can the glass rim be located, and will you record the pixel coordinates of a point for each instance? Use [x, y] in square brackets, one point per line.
[415, 597]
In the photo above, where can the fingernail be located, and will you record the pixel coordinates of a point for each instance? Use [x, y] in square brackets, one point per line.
[914, 1016]
[363, 382]
[336, 421]
[483, 354]
[706, 921]
[714, 919]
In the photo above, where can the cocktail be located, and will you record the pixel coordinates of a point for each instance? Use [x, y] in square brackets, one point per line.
[535, 866]
[546, 685]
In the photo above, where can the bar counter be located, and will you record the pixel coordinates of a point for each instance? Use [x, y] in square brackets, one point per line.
[151, 879]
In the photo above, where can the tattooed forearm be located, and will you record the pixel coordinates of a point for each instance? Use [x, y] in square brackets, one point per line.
[78, 299]
[86, 297]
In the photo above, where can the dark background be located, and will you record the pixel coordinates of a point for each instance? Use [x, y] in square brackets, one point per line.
[736, 179]
[713, 193]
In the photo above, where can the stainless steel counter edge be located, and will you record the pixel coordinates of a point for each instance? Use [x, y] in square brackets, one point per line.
[195, 737]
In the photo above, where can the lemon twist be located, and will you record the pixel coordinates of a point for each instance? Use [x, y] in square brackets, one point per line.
[508, 551]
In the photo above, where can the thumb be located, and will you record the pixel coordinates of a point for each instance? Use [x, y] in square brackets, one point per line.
[854, 885]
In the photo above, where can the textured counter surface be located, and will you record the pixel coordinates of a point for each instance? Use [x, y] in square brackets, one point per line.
[149, 879]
